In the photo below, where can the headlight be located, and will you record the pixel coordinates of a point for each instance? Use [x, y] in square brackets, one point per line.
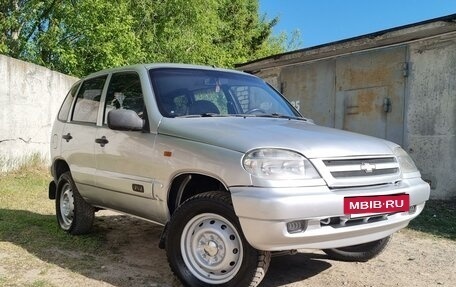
[405, 161]
[278, 164]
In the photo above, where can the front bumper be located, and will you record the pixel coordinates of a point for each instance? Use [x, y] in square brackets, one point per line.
[264, 213]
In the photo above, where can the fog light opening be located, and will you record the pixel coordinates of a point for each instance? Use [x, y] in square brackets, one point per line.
[296, 226]
[412, 209]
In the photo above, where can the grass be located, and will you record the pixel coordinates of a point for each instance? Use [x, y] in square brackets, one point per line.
[30, 238]
[438, 218]
[19, 163]
[27, 216]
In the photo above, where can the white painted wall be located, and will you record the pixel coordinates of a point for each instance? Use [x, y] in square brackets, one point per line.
[30, 97]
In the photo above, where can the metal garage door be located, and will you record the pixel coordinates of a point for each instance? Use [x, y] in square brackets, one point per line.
[362, 92]
[370, 93]
[310, 88]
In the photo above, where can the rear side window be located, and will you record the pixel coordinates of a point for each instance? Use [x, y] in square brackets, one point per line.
[65, 109]
[88, 100]
[124, 92]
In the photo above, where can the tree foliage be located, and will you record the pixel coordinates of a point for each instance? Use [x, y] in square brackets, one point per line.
[81, 36]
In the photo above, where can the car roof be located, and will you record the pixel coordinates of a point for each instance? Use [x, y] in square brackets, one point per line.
[161, 65]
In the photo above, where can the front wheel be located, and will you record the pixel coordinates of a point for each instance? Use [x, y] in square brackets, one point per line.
[205, 245]
[361, 252]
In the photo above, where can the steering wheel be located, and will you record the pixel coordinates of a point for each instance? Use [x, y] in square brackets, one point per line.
[255, 110]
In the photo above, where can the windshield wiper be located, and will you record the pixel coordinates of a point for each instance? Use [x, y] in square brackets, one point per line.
[280, 116]
[273, 115]
[203, 115]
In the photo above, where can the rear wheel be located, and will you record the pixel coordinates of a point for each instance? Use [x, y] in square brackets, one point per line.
[206, 247]
[361, 252]
[74, 215]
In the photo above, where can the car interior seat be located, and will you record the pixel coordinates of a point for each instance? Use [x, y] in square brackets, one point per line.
[202, 107]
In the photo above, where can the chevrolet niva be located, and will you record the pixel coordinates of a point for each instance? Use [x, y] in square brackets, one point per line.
[230, 169]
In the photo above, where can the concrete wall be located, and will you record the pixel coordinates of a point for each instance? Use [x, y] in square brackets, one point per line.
[30, 97]
[431, 113]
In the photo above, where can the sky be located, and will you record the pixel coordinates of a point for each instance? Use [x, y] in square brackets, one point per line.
[325, 21]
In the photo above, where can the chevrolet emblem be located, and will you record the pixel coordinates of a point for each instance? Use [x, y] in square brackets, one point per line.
[367, 167]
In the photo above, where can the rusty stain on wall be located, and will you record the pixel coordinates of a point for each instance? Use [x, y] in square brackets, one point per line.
[364, 103]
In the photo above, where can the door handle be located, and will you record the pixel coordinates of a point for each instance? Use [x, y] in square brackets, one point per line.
[102, 141]
[67, 137]
[387, 105]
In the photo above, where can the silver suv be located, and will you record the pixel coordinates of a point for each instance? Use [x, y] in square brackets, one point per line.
[230, 169]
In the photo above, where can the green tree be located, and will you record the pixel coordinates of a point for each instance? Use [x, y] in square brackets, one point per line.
[74, 37]
[81, 36]
[220, 33]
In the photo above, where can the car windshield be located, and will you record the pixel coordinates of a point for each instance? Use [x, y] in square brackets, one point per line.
[199, 92]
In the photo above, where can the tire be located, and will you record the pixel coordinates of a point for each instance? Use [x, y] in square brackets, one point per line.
[359, 253]
[74, 215]
[206, 247]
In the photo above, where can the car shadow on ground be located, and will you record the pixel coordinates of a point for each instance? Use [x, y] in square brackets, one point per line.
[294, 268]
[123, 251]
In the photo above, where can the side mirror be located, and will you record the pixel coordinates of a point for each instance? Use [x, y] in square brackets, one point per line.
[125, 120]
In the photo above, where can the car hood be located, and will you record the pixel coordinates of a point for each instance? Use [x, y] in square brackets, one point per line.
[244, 134]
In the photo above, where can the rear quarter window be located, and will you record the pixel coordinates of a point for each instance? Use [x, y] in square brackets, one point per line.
[66, 105]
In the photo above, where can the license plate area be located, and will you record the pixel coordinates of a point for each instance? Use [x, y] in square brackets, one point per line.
[379, 204]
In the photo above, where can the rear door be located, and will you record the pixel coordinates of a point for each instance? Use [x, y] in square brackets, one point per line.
[77, 140]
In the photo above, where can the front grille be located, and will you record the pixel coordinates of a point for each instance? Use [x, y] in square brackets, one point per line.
[358, 171]
[362, 167]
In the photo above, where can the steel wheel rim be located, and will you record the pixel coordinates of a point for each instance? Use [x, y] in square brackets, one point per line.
[211, 248]
[66, 206]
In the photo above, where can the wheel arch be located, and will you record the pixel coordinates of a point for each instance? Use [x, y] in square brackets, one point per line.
[59, 166]
[186, 185]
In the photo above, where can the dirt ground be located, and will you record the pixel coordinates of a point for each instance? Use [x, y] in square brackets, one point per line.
[131, 257]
